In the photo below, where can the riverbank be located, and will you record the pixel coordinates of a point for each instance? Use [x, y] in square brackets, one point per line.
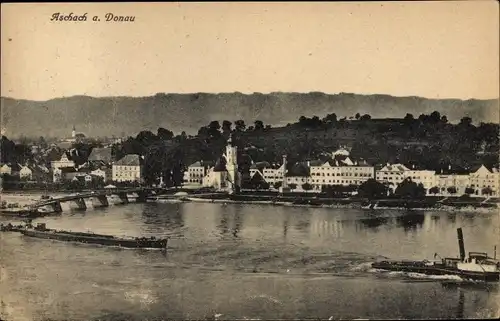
[448, 204]
[434, 203]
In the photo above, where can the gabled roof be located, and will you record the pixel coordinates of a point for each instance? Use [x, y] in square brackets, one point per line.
[483, 169]
[100, 154]
[129, 160]
[257, 178]
[394, 168]
[202, 164]
[341, 161]
[341, 151]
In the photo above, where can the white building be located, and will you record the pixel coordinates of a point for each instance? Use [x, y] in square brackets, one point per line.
[445, 182]
[392, 175]
[6, 169]
[127, 169]
[104, 172]
[271, 173]
[483, 179]
[340, 171]
[197, 171]
[274, 174]
[25, 173]
[425, 177]
[341, 152]
[63, 162]
[217, 177]
[224, 176]
[231, 157]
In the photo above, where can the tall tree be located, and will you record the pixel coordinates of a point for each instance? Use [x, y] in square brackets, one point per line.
[165, 134]
[240, 125]
[259, 125]
[330, 118]
[226, 126]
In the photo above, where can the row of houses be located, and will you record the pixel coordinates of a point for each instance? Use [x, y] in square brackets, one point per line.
[341, 169]
[99, 166]
[25, 172]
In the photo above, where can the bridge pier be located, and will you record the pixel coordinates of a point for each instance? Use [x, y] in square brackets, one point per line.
[123, 197]
[56, 207]
[80, 202]
[100, 201]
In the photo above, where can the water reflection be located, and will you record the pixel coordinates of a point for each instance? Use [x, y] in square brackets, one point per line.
[411, 221]
[461, 304]
[374, 222]
[244, 261]
[286, 223]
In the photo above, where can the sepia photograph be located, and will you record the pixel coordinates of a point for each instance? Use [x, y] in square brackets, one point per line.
[250, 161]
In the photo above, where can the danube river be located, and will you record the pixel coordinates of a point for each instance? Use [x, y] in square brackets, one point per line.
[244, 262]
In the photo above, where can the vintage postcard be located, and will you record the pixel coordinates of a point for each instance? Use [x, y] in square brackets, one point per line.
[249, 161]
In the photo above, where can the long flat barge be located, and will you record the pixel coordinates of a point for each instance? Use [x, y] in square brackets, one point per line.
[40, 231]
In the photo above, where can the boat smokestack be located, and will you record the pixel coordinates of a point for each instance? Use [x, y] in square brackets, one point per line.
[495, 252]
[461, 243]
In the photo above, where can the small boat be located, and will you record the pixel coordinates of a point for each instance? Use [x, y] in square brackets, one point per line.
[40, 231]
[19, 212]
[478, 266]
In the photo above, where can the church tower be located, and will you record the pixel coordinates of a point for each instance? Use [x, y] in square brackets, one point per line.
[232, 165]
[73, 133]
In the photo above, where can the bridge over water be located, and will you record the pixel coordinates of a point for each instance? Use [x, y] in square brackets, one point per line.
[99, 198]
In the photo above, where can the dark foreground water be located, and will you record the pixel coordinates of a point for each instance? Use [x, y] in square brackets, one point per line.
[244, 262]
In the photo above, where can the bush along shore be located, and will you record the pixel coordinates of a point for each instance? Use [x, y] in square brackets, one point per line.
[467, 204]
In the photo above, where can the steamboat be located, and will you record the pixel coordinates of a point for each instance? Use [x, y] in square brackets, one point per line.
[41, 231]
[478, 266]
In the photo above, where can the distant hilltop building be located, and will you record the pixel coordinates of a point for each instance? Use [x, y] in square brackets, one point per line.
[342, 151]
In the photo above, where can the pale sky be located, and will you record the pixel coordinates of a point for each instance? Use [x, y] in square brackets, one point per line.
[434, 50]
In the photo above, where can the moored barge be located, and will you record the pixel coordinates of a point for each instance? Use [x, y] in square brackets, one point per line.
[477, 266]
[40, 231]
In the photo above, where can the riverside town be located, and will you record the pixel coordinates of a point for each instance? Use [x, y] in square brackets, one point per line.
[354, 161]
[250, 161]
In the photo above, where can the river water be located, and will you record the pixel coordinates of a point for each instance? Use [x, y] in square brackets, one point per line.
[244, 262]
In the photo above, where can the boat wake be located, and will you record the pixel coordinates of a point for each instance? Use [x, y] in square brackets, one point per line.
[414, 276]
[363, 267]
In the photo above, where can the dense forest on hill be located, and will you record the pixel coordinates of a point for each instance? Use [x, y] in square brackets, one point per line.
[428, 141]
